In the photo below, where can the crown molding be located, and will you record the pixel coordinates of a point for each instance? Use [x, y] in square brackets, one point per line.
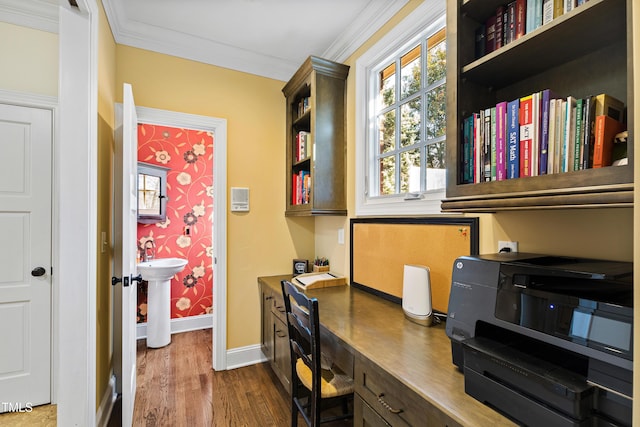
[367, 24]
[36, 14]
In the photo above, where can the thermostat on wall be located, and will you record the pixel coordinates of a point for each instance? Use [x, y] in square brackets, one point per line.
[239, 199]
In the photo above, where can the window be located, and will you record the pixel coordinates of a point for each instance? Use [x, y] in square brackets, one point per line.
[400, 133]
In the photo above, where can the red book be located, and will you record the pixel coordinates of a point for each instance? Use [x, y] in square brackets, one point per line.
[605, 131]
[490, 37]
[500, 26]
[526, 135]
[521, 18]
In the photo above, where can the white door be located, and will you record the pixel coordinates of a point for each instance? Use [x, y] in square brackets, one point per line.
[125, 220]
[25, 257]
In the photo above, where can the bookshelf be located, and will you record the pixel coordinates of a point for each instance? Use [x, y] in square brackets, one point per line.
[316, 150]
[584, 52]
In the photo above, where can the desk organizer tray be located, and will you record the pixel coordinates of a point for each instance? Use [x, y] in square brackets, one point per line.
[318, 280]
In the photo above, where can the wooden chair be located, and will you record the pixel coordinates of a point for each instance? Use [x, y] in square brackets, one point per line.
[315, 383]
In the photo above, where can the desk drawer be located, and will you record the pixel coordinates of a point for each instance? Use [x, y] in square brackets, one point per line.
[392, 400]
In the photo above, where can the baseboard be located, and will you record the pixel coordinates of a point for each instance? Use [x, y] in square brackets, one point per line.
[244, 356]
[181, 324]
[106, 403]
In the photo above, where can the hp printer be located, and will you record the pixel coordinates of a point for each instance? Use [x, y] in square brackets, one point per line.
[545, 340]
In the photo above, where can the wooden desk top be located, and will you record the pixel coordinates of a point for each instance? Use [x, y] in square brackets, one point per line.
[418, 356]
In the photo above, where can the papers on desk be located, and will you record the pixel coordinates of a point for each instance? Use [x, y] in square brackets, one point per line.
[318, 280]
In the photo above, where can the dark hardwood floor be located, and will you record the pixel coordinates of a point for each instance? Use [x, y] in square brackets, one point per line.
[178, 387]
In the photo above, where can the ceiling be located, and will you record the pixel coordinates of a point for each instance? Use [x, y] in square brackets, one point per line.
[269, 38]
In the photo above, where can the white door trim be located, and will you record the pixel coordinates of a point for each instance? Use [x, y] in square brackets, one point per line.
[219, 128]
[76, 212]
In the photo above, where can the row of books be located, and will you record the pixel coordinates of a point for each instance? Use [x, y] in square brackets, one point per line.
[302, 146]
[303, 106]
[539, 134]
[301, 188]
[517, 18]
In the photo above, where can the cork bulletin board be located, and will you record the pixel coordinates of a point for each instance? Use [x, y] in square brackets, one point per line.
[380, 247]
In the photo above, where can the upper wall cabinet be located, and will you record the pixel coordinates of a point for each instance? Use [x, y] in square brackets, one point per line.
[577, 55]
[316, 149]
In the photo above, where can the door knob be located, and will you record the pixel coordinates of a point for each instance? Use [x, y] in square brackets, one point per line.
[38, 271]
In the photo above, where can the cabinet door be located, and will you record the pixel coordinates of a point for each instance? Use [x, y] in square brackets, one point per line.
[282, 353]
[266, 334]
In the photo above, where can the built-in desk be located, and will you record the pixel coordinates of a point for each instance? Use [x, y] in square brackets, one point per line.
[408, 363]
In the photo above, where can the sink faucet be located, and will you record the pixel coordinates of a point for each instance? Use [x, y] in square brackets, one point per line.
[148, 250]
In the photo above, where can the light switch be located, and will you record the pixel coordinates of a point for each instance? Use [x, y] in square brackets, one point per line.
[341, 236]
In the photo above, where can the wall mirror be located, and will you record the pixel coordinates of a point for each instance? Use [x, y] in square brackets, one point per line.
[152, 193]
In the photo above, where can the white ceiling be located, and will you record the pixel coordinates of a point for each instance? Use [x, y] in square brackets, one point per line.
[270, 38]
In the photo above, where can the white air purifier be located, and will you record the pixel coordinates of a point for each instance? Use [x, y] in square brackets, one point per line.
[416, 294]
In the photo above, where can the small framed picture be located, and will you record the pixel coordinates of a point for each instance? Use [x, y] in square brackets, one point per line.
[300, 266]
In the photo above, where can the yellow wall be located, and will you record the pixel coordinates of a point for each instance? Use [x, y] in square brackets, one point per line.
[262, 241]
[29, 60]
[106, 125]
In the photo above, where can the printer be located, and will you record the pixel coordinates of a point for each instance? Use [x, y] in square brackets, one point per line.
[545, 340]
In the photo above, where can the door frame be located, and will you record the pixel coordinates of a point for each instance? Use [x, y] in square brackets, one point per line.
[75, 181]
[218, 127]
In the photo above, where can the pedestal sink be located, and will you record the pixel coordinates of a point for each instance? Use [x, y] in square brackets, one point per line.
[158, 274]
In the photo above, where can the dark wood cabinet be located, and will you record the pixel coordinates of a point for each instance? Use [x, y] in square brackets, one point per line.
[583, 52]
[316, 150]
[274, 336]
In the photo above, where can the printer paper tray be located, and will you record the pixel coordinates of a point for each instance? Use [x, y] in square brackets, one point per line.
[515, 405]
[533, 381]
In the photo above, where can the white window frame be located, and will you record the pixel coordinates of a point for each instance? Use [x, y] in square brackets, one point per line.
[428, 17]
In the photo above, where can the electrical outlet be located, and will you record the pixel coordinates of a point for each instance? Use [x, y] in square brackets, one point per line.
[505, 246]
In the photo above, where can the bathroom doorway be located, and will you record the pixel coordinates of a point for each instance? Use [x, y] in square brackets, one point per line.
[194, 149]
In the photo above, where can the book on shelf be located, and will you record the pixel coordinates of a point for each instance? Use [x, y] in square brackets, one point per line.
[481, 44]
[493, 144]
[500, 27]
[486, 143]
[569, 134]
[588, 122]
[510, 34]
[607, 105]
[513, 142]
[521, 16]
[490, 37]
[303, 145]
[477, 148]
[304, 105]
[533, 15]
[578, 144]
[301, 188]
[526, 134]
[606, 128]
[501, 146]
[545, 106]
[551, 136]
[467, 151]
[547, 11]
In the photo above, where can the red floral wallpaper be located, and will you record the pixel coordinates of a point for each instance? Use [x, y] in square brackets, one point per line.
[189, 155]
